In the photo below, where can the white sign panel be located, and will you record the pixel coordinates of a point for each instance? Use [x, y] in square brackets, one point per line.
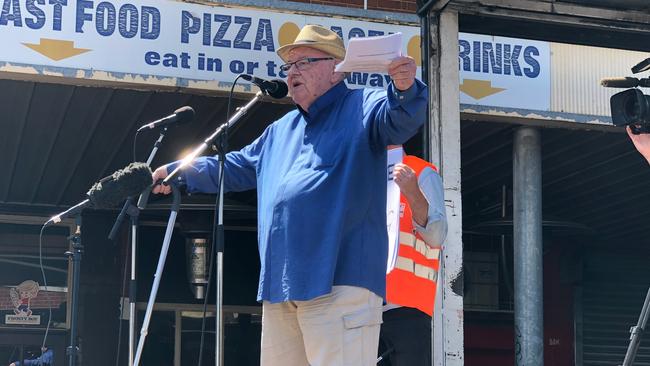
[164, 38]
[144, 40]
[504, 72]
[22, 319]
[393, 208]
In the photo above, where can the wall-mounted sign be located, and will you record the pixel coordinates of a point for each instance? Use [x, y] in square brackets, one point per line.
[155, 38]
[145, 41]
[504, 72]
[21, 297]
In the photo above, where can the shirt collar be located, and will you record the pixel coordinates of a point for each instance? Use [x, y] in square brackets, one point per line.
[334, 94]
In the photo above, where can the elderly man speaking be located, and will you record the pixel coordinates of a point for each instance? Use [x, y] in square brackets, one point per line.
[320, 174]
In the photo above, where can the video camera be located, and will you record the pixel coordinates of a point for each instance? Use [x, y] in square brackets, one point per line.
[631, 107]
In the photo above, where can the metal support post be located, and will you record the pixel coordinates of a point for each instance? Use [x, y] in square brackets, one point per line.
[527, 227]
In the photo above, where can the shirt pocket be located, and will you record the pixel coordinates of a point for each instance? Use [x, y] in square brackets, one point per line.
[327, 149]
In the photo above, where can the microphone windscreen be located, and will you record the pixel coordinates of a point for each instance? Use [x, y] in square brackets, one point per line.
[184, 114]
[114, 189]
[280, 91]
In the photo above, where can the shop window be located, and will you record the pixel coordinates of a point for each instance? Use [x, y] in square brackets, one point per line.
[27, 299]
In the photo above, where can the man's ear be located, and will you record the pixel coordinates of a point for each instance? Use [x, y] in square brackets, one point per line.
[336, 77]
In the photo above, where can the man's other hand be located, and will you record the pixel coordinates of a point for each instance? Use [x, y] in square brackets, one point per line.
[160, 174]
[406, 179]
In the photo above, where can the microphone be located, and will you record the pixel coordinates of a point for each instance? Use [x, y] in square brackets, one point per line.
[181, 115]
[275, 88]
[641, 66]
[626, 82]
[112, 190]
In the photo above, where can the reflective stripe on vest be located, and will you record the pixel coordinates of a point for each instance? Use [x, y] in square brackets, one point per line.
[419, 245]
[407, 264]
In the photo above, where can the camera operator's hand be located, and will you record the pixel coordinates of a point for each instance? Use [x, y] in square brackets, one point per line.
[641, 142]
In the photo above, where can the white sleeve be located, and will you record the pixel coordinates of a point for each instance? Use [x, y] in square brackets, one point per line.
[435, 231]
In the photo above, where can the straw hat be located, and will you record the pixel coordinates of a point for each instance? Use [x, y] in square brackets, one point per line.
[317, 37]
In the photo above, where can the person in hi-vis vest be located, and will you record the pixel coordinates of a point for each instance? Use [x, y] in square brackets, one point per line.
[411, 283]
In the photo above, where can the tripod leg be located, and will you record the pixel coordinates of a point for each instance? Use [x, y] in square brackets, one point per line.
[154, 289]
[133, 314]
[75, 257]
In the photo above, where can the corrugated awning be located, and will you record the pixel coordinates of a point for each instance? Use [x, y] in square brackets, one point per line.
[57, 140]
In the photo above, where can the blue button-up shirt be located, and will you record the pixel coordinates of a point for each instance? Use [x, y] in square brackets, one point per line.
[321, 189]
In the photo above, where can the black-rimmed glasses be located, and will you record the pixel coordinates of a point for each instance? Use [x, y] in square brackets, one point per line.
[303, 64]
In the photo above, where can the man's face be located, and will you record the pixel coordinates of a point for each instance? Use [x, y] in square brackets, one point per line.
[313, 80]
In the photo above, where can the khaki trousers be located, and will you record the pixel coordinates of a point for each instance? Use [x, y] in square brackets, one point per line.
[337, 329]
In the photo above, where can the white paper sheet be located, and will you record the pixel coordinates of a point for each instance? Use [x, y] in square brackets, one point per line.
[393, 208]
[371, 54]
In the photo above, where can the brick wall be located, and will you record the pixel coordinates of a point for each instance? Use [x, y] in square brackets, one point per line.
[403, 6]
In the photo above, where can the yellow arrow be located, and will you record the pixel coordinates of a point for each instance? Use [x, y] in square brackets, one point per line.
[56, 49]
[478, 89]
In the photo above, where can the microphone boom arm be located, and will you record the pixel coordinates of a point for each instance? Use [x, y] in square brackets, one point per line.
[208, 141]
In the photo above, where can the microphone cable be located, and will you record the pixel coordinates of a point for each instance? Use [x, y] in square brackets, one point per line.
[214, 233]
[40, 264]
[135, 141]
[11, 355]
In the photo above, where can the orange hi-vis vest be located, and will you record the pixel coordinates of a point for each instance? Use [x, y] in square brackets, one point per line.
[413, 280]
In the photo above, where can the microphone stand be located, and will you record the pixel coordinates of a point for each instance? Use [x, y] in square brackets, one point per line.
[74, 256]
[637, 331]
[219, 242]
[161, 264]
[133, 212]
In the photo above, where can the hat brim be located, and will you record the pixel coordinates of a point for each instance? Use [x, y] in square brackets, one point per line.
[333, 50]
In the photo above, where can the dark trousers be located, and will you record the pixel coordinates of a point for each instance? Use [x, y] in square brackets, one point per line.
[408, 332]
